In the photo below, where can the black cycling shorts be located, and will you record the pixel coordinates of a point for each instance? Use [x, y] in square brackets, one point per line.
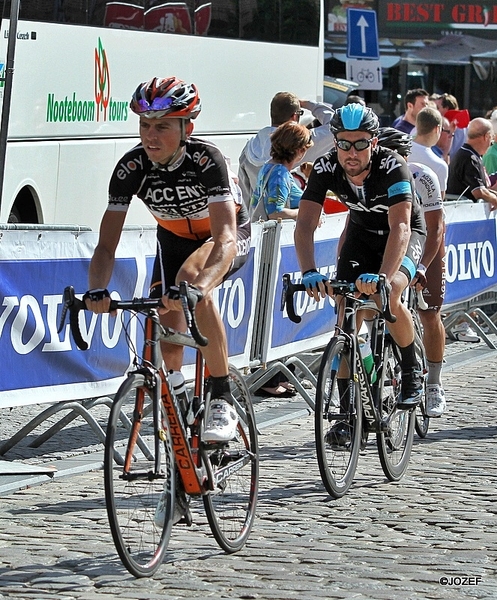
[172, 252]
[362, 252]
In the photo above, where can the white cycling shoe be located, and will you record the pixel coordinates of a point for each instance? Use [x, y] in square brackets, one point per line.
[221, 421]
[435, 400]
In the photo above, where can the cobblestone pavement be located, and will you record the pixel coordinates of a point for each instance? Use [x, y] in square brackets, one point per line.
[432, 535]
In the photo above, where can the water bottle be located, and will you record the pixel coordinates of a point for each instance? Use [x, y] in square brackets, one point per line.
[367, 359]
[177, 382]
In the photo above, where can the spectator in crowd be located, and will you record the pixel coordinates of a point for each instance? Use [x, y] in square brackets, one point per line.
[285, 106]
[443, 147]
[490, 156]
[276, 196]
[467, 175]
[414, 101]
[446, 102]
[428, 130]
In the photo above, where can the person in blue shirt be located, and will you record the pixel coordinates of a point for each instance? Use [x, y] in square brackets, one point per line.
[415, 100]
[277, 194]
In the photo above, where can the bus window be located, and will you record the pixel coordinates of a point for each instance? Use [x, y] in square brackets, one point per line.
[283, 21]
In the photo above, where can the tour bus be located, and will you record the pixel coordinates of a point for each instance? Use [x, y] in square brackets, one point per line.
[69, 69]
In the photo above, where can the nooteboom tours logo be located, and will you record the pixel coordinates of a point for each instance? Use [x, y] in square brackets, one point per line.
[73, 108]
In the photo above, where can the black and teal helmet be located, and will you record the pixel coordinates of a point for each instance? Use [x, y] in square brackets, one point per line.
[355, 117]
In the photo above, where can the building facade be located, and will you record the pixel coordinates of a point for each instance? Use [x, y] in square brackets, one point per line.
[448, 46]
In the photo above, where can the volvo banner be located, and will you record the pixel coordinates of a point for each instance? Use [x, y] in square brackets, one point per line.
[41, 365]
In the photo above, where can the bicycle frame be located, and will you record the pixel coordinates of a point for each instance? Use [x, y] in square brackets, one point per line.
[344, 417]
[193, 466]
[369, 392]
[188, 465]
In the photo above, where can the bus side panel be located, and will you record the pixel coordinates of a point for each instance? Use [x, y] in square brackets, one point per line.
[31, 166]
[62, 100]
[91, 191]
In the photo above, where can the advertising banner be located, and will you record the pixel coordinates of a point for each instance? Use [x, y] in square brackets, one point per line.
[432, 19]
[318, 318]
[470, 243]
[40, 365]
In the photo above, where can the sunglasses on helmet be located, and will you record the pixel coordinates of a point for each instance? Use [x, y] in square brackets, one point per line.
[157, 104]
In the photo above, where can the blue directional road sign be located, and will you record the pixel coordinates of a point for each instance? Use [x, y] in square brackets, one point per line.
[362, 34]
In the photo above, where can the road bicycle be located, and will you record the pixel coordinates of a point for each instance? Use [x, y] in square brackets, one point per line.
[155, 460]
[352, 403]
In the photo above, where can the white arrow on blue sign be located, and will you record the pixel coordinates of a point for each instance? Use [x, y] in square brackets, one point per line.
[362, 34]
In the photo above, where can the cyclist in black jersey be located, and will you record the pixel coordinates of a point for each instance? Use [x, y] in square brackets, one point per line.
[203, 230]
[384, 230]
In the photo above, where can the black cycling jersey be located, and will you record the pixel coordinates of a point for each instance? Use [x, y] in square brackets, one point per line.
[177, 195]
[388, 182]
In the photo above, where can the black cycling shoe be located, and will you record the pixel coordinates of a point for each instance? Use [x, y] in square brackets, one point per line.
[412, 389]
[338, 434]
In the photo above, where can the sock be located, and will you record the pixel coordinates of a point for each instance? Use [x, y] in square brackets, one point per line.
[434, 372]
[220, 388]
[408, 357]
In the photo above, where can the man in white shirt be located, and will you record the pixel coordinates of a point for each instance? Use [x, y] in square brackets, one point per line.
[429, 125]
[285, 106]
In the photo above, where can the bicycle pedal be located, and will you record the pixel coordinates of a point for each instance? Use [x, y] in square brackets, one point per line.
[385, 425]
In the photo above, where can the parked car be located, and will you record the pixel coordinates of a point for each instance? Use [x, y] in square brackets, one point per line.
[336, 90]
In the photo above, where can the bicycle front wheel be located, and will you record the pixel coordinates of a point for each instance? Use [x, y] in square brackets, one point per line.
[396, 430]
[139, 485]
[230, 508]
[337, 418]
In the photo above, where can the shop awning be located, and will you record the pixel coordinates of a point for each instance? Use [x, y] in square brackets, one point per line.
[453, 49]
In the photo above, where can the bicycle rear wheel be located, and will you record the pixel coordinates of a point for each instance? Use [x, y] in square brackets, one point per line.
[230, 508]
[337, 418]
[422, 422]
[139, 500]
[396, 426]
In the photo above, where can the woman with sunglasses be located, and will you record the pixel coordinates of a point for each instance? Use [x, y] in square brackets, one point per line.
[384, 231]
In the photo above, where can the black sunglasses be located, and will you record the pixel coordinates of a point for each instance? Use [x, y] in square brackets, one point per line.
[358, 145]
[299, 113]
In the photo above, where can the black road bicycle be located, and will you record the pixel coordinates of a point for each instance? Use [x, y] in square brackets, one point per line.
[350, 403]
